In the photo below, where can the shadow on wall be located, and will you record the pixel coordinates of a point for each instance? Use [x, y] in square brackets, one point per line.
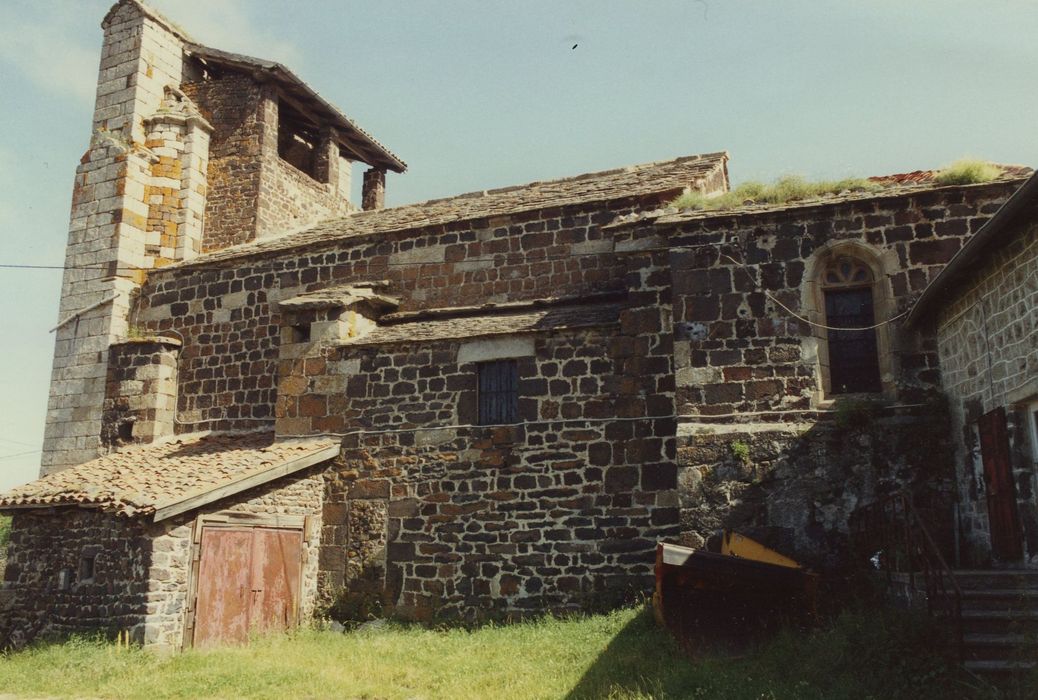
[794, 490]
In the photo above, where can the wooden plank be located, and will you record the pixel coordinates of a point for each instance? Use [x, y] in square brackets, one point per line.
[1006, 536]
[224, 587]
[201, 497]
[232, 518]
[359, 152]
[276, 564]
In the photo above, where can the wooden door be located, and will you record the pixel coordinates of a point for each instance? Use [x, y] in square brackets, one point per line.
[1006, 537]
[275, 578]
[248, 581]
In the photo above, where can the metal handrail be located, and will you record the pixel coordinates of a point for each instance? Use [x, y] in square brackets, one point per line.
[892, 529]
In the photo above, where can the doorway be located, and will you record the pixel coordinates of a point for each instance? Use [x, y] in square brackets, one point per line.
[1006, 536]
[247, 581]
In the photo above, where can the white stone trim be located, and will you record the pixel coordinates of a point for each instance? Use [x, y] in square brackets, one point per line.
[496, 349]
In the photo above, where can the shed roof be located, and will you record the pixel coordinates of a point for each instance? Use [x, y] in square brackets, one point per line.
[170, 477]
[997, 231]
[667, 178]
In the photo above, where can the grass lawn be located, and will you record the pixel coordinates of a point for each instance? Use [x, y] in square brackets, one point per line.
[617, 655]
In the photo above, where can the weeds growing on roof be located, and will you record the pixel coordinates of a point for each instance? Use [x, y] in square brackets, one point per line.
[967, 171]
[791, 188]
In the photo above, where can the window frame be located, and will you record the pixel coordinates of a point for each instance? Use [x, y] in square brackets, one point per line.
[510, 415]
[881, 264]
[859, 280]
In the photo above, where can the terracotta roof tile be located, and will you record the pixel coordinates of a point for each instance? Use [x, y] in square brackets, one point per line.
[637, 180]
[134, 481]
[920, 177]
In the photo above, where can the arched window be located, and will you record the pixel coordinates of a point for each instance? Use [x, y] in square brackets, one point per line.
[850, 314]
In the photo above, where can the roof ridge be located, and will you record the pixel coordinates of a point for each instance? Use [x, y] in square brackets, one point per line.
[656, 178]
[536, 183]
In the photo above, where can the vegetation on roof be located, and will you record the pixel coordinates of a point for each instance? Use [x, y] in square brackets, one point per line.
[791, 188]
[968, 171]
[794, 188]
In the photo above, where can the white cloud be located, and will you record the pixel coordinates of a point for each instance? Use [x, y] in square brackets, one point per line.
[228, 25]
[56, 44]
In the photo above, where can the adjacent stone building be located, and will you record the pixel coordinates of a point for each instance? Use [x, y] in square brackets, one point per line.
[984, 310]
[267, 399]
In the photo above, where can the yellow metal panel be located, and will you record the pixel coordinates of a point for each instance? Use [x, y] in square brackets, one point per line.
[736, 545]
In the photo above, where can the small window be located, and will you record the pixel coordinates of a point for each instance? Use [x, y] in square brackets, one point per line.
[86, 568]
[498, 392]
[853, 353]
[297, 140]
[65, 577]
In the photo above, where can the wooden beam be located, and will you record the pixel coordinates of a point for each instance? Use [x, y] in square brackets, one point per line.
[201, 497]
[306, 111]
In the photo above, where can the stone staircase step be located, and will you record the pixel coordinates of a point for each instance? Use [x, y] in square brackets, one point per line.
[998, 667]
[1000, 646]
[1000, 621]
[996, 578]
[1000, 599]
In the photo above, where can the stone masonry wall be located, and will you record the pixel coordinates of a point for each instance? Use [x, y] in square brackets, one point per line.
[289, 198]
[231, 103]
[141, 391]
[794, 485]
[108, 228]
[435, 516]
[231, 327]
[988, 345]
[42, 545]
[756, 356]
[253, 192]
[761, 449]
[141, 572]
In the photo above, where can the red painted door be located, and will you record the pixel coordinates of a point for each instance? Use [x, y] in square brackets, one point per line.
[222, 608]
[1006, 537]
[248, 581]
[275, 578]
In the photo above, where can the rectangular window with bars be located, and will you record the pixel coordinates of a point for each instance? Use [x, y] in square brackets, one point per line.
[498, 392]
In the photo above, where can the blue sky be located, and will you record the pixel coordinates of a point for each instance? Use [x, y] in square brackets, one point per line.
[488, 93]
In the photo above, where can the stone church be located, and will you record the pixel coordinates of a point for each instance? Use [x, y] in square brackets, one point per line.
[268, 400]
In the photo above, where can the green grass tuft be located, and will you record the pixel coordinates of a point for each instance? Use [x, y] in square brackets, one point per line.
[5, 532]
[620, 655]
[791, 188]
[968, 171]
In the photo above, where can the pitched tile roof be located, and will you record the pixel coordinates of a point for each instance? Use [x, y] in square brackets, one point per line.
[501, 322]
[922, 177]
[669, 178]
[140, 480]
